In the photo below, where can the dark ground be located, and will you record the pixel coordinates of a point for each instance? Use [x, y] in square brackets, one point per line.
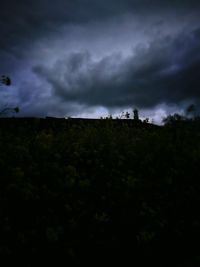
[97, 192]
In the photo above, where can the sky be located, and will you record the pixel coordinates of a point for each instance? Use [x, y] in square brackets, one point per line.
[91, 58]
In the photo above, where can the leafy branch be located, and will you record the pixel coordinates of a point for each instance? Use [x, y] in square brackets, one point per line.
[5, 80]
[6, 111]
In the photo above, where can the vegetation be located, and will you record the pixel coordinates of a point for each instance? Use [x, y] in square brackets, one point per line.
[99, 192]
[7, 111]
[5, 80]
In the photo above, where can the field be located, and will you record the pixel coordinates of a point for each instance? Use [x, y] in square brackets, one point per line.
[75, 192]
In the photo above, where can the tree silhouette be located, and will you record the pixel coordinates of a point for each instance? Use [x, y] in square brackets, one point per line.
[190, 110]
[6, 111]
[135, 114]
[5, 80]
[127, 115]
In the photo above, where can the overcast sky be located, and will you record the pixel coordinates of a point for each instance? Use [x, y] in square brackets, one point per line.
[88, 58]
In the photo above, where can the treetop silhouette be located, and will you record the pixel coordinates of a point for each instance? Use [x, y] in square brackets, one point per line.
[5, 80]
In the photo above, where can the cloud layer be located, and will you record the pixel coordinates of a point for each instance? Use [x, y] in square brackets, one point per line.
[78, 57]
[165, 71]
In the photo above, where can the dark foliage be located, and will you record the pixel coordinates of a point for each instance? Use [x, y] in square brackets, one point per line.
[5, 80]
[7, 111]
[97, 192]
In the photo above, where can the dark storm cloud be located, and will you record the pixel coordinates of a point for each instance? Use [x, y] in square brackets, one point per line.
[67, 56]
[22, 21]
[167, 71]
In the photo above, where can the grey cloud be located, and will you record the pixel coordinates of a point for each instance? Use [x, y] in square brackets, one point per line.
[22, 21]
[165, 72]
[163, 68]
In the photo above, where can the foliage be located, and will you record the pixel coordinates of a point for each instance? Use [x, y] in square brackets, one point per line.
[177, 118]
[190, 110]
[173, 118]
[125, 115]
[7, 111]
[5, 80]
[77, 192]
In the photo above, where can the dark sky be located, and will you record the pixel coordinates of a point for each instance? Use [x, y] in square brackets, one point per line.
[94, 57]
